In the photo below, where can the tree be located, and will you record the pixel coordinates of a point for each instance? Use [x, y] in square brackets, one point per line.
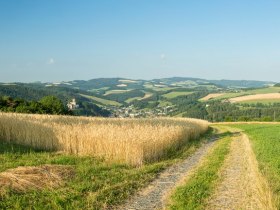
[52, 105]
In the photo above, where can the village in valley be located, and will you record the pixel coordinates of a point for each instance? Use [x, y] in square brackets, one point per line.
[130, 111]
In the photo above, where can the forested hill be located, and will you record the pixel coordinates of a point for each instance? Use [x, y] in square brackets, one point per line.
[49, 105]
[177, 96]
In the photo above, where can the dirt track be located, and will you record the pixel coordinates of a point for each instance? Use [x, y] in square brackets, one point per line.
[242, 186]
[153, 197]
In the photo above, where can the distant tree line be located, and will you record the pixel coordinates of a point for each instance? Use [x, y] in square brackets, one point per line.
[47, 105]
[217, 111]
[89, 109]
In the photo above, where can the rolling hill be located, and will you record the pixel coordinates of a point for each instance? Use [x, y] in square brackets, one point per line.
[176, 96]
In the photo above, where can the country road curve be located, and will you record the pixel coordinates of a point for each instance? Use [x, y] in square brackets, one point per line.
[153, 196]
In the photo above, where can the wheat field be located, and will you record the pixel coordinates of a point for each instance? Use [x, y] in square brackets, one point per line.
[264, 96]
[130, 141]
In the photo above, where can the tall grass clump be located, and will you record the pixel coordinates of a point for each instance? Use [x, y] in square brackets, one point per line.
[131, 141]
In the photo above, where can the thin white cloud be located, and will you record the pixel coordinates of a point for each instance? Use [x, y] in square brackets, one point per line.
[51, 61]
[162, 56]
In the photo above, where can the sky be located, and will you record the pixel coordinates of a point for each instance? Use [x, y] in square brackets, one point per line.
[63, 40]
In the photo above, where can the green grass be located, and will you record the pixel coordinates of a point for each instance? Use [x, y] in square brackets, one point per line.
[103, 88]
[266, 145]
[151, 86]
[230, 95]
[265, 90]
[176, 94]
[102, 101]
[164, 103]
[96, 184]
[180, 114]
[249, 92]
[128, 81]
[183, 83]
[115, 92]
[132, 99]
[162, 88]
[199, 187]
[147, 95]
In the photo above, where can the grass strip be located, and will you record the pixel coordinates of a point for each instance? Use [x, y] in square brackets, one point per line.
[198, 188]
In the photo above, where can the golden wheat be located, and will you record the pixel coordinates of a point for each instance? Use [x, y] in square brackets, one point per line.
[132, 141]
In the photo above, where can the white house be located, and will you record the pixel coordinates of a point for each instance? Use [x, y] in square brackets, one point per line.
[72, 104]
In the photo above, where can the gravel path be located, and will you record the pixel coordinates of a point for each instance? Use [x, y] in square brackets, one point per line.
[241, 187]
[154, 195]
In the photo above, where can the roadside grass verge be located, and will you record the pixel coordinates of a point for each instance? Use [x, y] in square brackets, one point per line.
[265, 140]
[193, 194]
[96, 184]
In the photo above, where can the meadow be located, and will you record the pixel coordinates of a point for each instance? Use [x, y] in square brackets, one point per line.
[129, 141]
[175, 94]
[102, 100]
[115, 92]
[261, 101]
[244, 93]
[266, 96]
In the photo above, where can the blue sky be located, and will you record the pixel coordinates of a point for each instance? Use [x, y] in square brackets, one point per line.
[55, 40]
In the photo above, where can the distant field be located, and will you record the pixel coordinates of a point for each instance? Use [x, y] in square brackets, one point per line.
[102, 101]
[151, 86]
[165, 103]
[211, 96]
[190, 83]
[254, 98]
[265, 90]
[209, 87]
[163, 88]
[96, 90]
[229, 95]
[127, 81]
[132, 99]
[121, 85]
[147, 95]
[175, 94]
[115, 92]
[148, 85]
[262, 101]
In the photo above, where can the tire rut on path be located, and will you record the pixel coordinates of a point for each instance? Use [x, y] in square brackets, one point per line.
[242, 186]
[153, 197]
